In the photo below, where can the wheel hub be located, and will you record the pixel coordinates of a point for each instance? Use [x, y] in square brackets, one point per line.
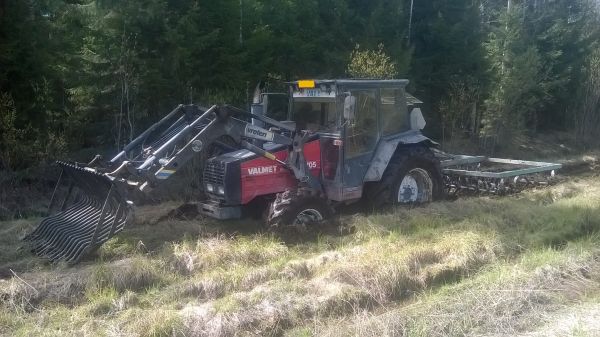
[416, 186]
[408, 190]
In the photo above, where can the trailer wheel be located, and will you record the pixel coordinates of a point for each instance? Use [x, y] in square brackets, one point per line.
[413, 176]
[298, 209]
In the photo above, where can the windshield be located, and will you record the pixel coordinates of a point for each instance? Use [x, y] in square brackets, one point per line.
[314, 115]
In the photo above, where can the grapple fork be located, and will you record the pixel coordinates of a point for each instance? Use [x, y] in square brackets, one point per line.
[93, 210]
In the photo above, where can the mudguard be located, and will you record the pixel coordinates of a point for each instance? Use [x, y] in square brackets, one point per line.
[386, 148]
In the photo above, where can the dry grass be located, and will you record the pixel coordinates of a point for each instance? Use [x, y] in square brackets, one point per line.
[12, 255]
[135, 274]
[474, 266]
[189, 257]
[504, 300]
[394, 268]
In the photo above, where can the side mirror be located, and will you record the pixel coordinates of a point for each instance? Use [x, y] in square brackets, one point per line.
[349, 107]
[417, 122]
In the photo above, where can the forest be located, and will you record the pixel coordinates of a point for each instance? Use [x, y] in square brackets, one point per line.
[505, 250]
[80, 74]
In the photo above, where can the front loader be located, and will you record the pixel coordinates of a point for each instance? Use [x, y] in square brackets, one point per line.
[341, 141]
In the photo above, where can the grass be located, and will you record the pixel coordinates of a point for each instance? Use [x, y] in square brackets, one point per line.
[475, 266]
[504, 298]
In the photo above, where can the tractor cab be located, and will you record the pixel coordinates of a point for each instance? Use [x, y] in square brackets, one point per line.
[353, 118]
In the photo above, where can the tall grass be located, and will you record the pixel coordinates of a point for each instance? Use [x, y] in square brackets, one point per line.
[473, 266]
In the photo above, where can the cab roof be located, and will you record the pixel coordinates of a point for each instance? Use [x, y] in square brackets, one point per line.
[359, 82]
[412, 100]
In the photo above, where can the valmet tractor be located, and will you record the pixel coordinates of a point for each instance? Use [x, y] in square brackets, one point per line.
[339, 141]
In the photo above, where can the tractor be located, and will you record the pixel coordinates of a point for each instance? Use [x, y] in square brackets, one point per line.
[352, 140]
[338, 142]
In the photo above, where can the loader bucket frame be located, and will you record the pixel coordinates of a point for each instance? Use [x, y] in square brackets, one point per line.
[93, 210]
[97, 203]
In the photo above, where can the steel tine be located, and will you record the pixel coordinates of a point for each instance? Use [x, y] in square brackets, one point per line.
[57, 224]
[53, 198]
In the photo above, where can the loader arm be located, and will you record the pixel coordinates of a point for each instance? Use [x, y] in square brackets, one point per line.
[98, 205]
[157, 169]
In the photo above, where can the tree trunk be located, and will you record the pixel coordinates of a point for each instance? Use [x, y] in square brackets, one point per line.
[410, 17]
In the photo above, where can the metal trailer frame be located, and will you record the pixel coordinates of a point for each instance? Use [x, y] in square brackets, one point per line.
[528, 167]
[468, 174]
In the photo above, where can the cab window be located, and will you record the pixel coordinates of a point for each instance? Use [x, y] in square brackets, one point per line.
[277, 107]
[314, 115]
[361, 133]
[394, 116]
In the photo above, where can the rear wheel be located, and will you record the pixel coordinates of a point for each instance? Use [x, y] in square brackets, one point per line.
[298, 209]
[415, 187]
[413, 176]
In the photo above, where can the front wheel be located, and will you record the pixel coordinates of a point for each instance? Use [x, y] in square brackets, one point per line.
[298, 209]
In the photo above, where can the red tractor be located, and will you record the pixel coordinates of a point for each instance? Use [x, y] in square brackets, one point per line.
[339, 141]
[349, 139]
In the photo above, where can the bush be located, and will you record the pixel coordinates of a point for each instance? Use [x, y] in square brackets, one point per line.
[10, 136]
[24, 147]
[371, 64]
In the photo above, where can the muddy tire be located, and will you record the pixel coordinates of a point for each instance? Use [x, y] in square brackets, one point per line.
[298, 209]
[413, 176]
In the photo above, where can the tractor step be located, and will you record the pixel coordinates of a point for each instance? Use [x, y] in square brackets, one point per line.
[215, 210]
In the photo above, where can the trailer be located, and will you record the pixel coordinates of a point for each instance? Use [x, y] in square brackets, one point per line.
[465, 174]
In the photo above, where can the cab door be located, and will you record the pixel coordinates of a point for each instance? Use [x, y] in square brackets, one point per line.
[361, 135]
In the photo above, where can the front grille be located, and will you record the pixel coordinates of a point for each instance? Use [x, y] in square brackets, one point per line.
[214, 173]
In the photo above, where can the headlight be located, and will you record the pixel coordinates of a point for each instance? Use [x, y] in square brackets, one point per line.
[221, 190]
[210, 188]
